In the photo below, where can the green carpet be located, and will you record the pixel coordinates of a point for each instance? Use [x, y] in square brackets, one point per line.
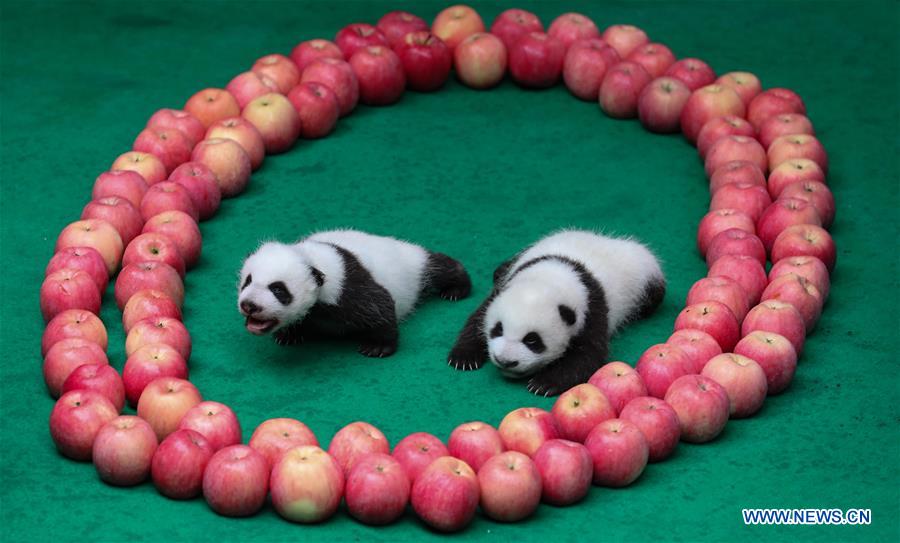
[477, 175]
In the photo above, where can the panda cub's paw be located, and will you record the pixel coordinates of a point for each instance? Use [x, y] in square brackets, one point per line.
[376, 349]
[290, 335]
[555, 379]
[466, 358]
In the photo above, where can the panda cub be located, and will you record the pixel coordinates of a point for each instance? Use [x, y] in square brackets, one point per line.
[343, 282]
[555, 305]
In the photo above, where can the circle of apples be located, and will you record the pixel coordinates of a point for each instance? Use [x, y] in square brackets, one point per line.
[736, 341]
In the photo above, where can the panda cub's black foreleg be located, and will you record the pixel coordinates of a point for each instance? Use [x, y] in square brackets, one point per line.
[290, 335]
[379, 342]
[448, 277]
[470, 350]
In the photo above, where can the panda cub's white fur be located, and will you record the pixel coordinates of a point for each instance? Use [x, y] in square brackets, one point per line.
[555, 305]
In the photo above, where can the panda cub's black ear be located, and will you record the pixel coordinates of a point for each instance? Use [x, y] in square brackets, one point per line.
[567, 314]
[318, 276]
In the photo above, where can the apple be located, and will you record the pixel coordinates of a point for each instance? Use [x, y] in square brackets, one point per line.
[514, 23]
[149, 167]
[147, 364]
[714, 318]
[416, 451]
[730, 148]
[123, 450]
[178, 119]
[216, 421]
[244, 133]
[395, 25]
[356, 36]
[277, 68]
[784, 125]
[166, 196]
[658, 422]
[621, 88]
[65, 356]
[180, 228]
[808, 267]
[660, 105]
[165, 401]
[100, 377]
[153, 247]
[566, 469]
[318, 109]
[201, 185]
[117, 211]
[377, 490]
[446, 494]
[74, 323]
[339, 77]
[585, 66]
[776, 317]
[794, 146]
[510, 486]
[745, 197]
[625, 39]
[536, 60]
[702, 407]
[747, 270]
[579, 409]
[719, 220]
[735, 241]
[68, 289]
[165, 330]
[720, 289]
[571, 27]
[170, 145]
[707, 103]
[96, 234]
[785, 212]
[798, 292]
[697, 345]
[275, 436]
[719, 127]
[619, 452]
[817, 194]
[805, 240]
[228, 161]
[456, 23]
[526, 428]
[619, 382]
[148, 275]
[772, 102]
[380, 74]
[427, 60]
[654, 57]
[307, 52]
[86, 259]
[660, 365]
[793, 171]
[745, 84]
[247, 86]
[211, 105]
[236, 481]
[178, 464]
[276, 119]
[474, 443]
[480, 60]
[736, 171]
[742, 378]
[75, 420]
[774, 354]
[694, 72]
[306, 485]
[354, 441]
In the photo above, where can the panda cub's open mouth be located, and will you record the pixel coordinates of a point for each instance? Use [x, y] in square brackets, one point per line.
[260, 326]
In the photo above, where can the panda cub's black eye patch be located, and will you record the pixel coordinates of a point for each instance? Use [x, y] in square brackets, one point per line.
[247, 282]
[281, 293]
[497, 330]
[534, 342]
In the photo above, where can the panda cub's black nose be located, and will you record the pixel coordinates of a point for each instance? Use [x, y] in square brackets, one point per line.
[508, 364]
[249, 307]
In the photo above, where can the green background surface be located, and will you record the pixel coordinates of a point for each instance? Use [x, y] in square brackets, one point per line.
[477, 175]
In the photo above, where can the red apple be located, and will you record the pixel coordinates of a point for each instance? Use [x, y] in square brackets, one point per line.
[805, 240]
[201, 185]
[719, 220]
[165, 330]
[100, 377]
[75, 420]
[526, 428]
[745, 197]
[660, 105]
[339, 77]
[798, 292]
[178, 119]
[785, 212]
[150, 168]
[216, 421]
[658, 422]
[164, 402]
[74, 323]
[731, 148]
[474, 443]
[68, 289]
[276, 119]
[178, 464]
[380, 74]
[416, 451]
[742, 378]
[777, 317]
[694, 72]
[167, 196]
[277, 68]
[377, 490]
[621, 88]
[625, 39]
[774, 354]
[446, 494]
[571, 27]
[149, 363]
[307, 52]
[247, 86]
[123, 450]
[796, 146]
[148, 275]
[707, 103]
[153, 247]
[720, 289]
[772, 102]
[510, 486]
[748, 271]
[211, 105]
[357, 36]
[244, 133]
[306, 484]
[735, 241]
[714, 318]
[619, 451]
[318, 109]
[815, 193]
[697, 345]
[702, 407]
[719, 127]
[536, 60]
[65, 356]
[395, 25]
[480, 60]
[784, 125]
[427, 60]
[181, 229]
[585, 66]
[745, 84]
[619, 382]
[86, 259]
[170, 145]
[275, 436]
[456, 23]
[654, 57]
[117, 211]
[228, 161]
[236, 481]
[566, 470]
[579, 409]
[660, 365]
[96, 234]
[808, 267]
[737, 171]
[793, 171]
[354, 441]
[512, 24]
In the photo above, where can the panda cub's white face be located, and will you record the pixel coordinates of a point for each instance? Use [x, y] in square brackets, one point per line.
[277, 288]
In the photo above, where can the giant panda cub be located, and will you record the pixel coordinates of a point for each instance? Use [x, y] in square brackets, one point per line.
[343, 282]
[555, 305]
